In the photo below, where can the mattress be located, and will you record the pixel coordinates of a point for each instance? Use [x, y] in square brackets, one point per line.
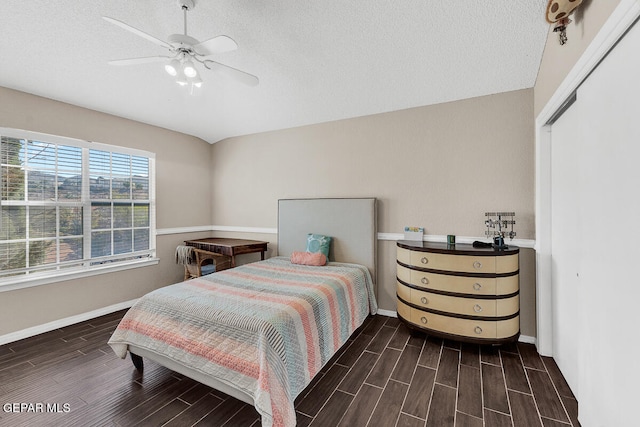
[265, 329]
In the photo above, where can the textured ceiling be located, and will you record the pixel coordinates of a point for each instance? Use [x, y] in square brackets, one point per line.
[317, 61]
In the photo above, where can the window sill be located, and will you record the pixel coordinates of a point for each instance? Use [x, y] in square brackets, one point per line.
[13, 283]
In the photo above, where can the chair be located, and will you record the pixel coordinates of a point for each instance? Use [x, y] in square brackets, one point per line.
[198, 262]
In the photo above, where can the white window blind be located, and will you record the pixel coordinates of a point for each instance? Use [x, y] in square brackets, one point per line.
[70, 204]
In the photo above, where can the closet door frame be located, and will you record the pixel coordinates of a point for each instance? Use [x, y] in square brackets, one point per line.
[618, 23]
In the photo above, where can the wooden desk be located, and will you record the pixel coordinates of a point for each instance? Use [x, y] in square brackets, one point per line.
[229, 247]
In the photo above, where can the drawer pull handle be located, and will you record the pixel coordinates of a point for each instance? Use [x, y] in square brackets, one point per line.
[424, 260]
[423, 320]
[477, 286]
[477, 265]
[424, 281]
[478, 330]
[477, 308]
[423, 300]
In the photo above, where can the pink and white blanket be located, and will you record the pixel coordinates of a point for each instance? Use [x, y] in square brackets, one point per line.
[265, 328]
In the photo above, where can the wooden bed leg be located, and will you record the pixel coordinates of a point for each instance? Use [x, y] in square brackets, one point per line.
[137, 362]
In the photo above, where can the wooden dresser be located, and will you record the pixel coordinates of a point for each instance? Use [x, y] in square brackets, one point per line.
[459, 292]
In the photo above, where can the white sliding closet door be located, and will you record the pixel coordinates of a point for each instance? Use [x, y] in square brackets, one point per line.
[596, 230]
[566, 141]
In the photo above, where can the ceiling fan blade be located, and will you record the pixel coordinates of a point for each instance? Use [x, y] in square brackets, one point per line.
[219, 44]
[137, 32]
[136, 61]
[234, 73]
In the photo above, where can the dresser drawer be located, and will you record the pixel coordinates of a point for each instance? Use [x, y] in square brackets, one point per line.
[448, 283]
[477, 329]
[459, 263]
[459, 284]
[457, 305]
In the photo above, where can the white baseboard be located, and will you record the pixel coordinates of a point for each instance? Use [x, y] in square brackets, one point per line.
[523, 338]
[527, 339]
[388, 313]
[61, 323]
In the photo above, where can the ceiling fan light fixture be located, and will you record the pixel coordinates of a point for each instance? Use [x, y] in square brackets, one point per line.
[172, 67]
[196, 81]
[181, 79]
[189, 69]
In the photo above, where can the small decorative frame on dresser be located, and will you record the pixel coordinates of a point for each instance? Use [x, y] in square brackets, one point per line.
[459, 292]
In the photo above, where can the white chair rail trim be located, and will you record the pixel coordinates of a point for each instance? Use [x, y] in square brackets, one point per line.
[523, 243]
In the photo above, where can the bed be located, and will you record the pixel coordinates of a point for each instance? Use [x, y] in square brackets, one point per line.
[261, 332]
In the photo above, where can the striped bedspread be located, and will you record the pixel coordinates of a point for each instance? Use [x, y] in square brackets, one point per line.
[265, 328]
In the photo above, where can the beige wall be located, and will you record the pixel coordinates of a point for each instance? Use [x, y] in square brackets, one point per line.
[440, 167]
[558, 60]
[183, 191]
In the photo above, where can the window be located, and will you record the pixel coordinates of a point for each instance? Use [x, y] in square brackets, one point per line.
[68, 204]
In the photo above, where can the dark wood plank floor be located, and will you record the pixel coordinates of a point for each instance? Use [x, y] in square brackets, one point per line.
[382, 377]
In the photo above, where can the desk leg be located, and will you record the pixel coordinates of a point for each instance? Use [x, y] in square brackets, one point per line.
[233, 261]
[261, 255]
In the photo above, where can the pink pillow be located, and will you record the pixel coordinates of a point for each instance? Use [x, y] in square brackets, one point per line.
[308, 258]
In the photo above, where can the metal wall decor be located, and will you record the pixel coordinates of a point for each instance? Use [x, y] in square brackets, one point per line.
[499, 225]
[558, 12]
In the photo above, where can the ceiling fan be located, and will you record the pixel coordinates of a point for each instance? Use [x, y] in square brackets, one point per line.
[185, 51]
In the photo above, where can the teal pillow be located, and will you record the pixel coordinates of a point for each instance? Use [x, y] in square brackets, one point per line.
[318, 243]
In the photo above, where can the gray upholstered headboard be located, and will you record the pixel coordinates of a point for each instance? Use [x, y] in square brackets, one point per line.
[352, 223]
